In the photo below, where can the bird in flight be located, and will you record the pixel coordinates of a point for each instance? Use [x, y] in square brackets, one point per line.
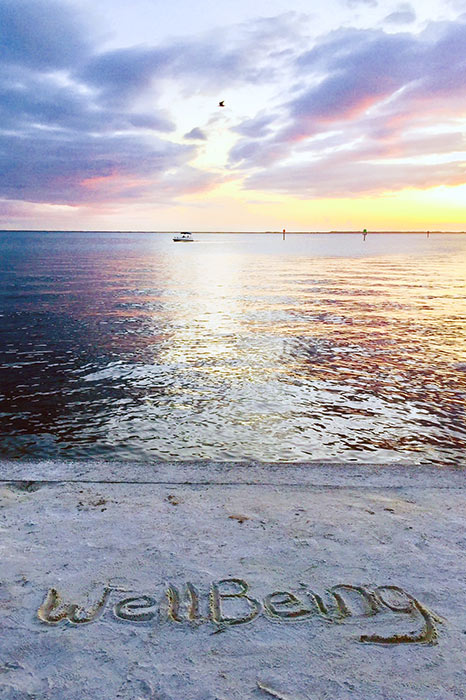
[222, 103]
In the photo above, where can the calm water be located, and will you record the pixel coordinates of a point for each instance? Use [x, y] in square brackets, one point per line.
[320, 347]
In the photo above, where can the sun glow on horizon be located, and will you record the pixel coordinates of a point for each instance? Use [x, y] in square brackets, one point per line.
[350, 117]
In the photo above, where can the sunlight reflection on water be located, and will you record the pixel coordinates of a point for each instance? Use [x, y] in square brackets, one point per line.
[320, 347]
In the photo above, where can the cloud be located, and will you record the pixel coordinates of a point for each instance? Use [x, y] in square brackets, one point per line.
[187, 180]
[357, 3]
[196, 134]
[370, 98]
[405, 14]
[345, 164]
[42, 34]
[258, 153]
[11, 209]
[50, 167]
[122, 74]
[363, 67]
[242, 54]
[80, 123]
[257, 127]
[339, 176]
[28, 98]
[77, 121]
[70, 129]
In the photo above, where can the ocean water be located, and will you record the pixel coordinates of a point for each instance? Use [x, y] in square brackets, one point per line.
[321, 347]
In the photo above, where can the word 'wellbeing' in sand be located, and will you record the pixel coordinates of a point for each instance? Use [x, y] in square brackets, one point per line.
[230, 602]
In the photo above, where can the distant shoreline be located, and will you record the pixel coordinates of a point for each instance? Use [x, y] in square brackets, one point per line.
[268, 233]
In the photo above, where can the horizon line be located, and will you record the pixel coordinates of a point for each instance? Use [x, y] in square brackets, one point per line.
[342, 231]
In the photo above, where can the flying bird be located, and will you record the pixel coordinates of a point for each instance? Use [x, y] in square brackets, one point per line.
[222, 103]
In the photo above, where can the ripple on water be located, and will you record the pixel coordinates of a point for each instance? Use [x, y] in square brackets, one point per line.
[239, 348]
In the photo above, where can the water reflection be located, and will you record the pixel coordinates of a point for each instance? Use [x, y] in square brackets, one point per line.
[128, 346]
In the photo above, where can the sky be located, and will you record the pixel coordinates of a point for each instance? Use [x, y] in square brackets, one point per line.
[342, 115]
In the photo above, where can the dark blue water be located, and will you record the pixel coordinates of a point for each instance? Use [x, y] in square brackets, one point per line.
[129, 346]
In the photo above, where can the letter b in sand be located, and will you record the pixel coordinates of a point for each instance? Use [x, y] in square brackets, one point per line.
[243, 607]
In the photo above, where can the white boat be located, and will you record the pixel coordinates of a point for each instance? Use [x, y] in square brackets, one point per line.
[183, 237]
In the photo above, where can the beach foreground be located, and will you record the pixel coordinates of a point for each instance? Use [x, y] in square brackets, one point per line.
[215, 580]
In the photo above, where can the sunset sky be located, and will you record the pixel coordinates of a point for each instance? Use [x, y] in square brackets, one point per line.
[347, 114]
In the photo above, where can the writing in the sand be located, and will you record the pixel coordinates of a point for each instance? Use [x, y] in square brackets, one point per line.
[232, 602]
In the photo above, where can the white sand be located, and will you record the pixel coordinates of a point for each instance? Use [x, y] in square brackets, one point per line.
[96, 534]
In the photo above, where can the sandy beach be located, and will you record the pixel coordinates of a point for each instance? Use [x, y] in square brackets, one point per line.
[214, 580]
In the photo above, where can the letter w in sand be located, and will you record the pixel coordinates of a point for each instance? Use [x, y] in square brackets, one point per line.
[55, 608]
